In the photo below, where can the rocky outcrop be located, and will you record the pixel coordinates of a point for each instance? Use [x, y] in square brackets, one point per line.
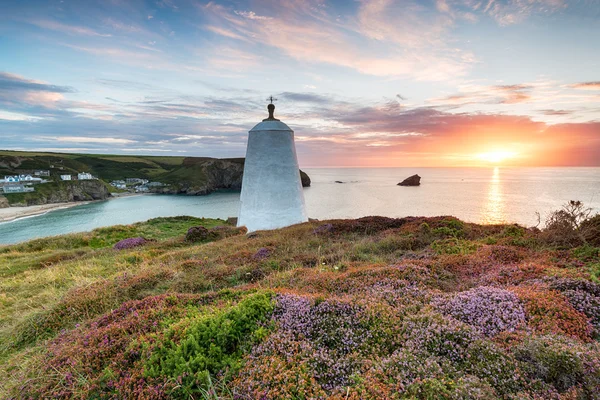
[201, 176]
[414, 180]
[61, 192]
[3, 202]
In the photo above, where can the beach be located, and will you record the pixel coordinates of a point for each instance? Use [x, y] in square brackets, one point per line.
[12, 213]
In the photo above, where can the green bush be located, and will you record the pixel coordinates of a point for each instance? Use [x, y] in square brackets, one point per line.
[454, 246]
[211, 344]
[561, 362]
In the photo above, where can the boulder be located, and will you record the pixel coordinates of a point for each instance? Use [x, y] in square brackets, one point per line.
[414, 180]
[3, 202]
[305, 179]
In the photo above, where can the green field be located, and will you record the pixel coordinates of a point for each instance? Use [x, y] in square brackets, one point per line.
[107, 167]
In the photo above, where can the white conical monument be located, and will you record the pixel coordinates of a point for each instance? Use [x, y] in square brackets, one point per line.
[271, 187]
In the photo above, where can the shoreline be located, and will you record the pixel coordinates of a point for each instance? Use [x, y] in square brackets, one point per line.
[9, 214]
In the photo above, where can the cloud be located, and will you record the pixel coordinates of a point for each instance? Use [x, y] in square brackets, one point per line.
[12, 82]
[509, 12]
[252, 15]
[305, 97]
[495, 94]
[329, 129]
[68, 29]
[556, 112]
[103, 140]
[310, 32]
[587, 85]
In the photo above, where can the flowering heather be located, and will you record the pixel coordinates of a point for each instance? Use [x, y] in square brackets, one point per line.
[548, 311]
[261, 253]
[323, 229]
[375, 308]
[587, 304]
[130, 243]
[489, 310]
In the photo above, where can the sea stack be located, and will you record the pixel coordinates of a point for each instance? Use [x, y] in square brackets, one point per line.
[272, 195]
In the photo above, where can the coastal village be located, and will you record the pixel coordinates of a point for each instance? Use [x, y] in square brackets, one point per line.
[27, 181]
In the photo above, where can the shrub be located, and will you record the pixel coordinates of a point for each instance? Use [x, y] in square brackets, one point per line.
[199, 234]
[77, 363]
[130, 243]
[562, 363]
[548, 311]
[211, 344]
[489, 310]
[587, 304]
[590, 229]
[489, 363]
[567, 227]
[438, 335]
[454, 246]
[315, 341]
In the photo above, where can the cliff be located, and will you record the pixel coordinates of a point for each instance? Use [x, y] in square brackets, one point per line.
[61, 192]
[201, 176]
[181, 175]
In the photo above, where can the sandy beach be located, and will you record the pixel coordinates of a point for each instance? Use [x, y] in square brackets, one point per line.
[12, 213]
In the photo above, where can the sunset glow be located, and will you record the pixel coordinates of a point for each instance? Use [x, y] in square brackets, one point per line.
[362, 83]
[496, 157]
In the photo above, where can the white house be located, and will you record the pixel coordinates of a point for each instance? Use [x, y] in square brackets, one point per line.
[29, 178]
[119, 184]
[84, 176]
[12, 179]
[42, 172]
[17, 189]
[65, 177]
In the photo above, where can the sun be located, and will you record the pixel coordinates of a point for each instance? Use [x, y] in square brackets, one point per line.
[496, 157]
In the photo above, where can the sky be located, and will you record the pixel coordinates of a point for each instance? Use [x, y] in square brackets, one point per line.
[378, 83]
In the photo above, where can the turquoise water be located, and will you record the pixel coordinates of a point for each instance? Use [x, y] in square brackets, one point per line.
[483, 195]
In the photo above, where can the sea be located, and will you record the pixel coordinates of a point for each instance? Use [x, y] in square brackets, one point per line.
[481, 195]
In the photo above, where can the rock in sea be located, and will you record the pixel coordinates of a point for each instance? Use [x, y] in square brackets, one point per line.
[414, 180]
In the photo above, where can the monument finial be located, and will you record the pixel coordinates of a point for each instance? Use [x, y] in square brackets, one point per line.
[271, 108]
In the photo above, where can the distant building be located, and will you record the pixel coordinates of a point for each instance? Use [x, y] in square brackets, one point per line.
[17, 189]
[141, 188]
[84, 176]
[65, 177]
[41, 172]
[12, 179]
[155, 184]
[136, 180]
[119, 184]
[21, 178]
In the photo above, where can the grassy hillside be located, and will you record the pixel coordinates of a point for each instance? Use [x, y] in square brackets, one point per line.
[191, 175]
[411, 308]
[107, 167]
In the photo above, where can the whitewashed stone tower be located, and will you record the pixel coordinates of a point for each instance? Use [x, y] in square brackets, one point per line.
[271, 187]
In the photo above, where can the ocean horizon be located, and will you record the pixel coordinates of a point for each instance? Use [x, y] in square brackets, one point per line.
[473, 194]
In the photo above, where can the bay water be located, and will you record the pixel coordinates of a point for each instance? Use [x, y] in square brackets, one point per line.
[481, 195]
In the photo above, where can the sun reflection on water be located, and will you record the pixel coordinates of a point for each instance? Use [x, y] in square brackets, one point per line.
[493, 211]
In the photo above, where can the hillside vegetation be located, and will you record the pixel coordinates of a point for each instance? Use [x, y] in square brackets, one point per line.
[373, 308]
[185, 175]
